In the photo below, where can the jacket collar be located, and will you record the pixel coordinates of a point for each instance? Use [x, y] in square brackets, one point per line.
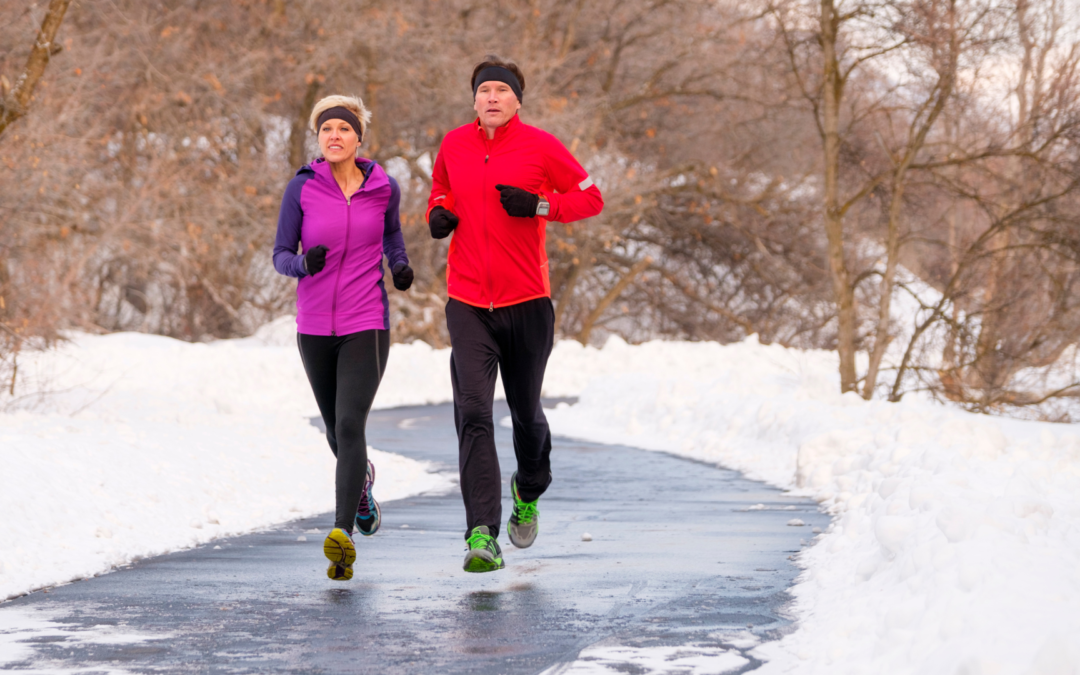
[502, 132]
[321, 168]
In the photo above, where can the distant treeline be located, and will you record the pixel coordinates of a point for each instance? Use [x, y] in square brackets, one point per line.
[894, 179]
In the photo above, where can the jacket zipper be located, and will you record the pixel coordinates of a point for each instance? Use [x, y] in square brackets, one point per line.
[487, 233]
[337, 279]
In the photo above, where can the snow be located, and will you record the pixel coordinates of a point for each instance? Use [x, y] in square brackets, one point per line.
[953, 548]
[22, 627]
[955, 545]
[147, 445]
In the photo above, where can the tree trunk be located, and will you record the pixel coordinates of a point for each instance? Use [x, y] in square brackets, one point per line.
[990, 372]
[941, 94]
[844, 294]
[298, 135]
[15, 104]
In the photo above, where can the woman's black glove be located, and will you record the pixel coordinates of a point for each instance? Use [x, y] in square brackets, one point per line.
[517, 202]
[441, 223]
[315, 259]
[403, 276]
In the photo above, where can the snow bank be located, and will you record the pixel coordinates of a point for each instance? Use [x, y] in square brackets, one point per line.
[955, 546]
[147, 444]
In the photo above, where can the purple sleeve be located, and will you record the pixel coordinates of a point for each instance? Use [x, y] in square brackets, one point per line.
[393, 243]
[291, 217]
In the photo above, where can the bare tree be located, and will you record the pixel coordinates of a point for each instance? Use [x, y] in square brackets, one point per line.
[876, 76]
[768, 169]
[15, 98]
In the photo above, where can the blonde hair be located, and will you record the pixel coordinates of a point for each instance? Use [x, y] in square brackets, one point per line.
[352, 103]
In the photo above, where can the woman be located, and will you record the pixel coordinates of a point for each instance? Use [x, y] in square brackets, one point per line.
[343, 213]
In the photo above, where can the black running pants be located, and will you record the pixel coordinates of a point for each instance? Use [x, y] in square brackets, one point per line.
[344, 372]
[516, 340]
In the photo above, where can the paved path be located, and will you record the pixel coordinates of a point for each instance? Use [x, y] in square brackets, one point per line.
[677, 557]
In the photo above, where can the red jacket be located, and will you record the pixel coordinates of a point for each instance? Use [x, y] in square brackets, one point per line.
[496, 260]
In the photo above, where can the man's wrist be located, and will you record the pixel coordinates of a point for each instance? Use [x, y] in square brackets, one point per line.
[543, 207]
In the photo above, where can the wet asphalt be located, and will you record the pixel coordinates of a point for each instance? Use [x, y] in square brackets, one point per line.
[677, 557]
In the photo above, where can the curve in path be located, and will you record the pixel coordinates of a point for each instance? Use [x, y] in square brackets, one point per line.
[686, 560]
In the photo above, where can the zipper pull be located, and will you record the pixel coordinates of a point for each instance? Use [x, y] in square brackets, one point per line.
[348, 201]
[491, 307]
[486, 158]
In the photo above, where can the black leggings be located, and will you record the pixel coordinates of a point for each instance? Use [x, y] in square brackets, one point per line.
[344, 372]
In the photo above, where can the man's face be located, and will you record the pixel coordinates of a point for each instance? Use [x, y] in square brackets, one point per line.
[495, 104]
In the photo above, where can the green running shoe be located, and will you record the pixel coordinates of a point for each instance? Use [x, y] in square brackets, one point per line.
[484, 554]
[525, 519]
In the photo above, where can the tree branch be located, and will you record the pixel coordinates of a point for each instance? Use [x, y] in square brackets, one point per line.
[17, 102]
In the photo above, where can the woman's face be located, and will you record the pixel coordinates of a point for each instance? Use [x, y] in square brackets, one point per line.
[338, 140]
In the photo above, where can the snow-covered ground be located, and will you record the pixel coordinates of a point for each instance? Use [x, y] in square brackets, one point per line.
[146, 444]
[954, 547]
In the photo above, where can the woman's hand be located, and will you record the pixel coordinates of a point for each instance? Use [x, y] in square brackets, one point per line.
[403, 276]
[315, 259]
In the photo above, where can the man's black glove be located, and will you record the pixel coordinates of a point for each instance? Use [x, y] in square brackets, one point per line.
[315, 259]
[518, 202]
[441, 223]
[403, 276]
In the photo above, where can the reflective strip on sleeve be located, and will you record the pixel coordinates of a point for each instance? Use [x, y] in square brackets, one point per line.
[585, 184]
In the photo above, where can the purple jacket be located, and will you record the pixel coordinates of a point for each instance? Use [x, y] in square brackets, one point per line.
[346, 296]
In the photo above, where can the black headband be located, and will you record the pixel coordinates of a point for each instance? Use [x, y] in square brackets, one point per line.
[497, 74]
[344, 114]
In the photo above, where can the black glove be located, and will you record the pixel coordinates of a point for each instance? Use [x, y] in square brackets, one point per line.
[403, 276]
[315, 259]
[441, 223]
[518, 202]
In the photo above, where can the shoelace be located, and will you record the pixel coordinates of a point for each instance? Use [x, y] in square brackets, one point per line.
[525, 512]
[478, 539]
[364, 509]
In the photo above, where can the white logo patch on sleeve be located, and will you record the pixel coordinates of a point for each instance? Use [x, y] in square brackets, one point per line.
[585, 184]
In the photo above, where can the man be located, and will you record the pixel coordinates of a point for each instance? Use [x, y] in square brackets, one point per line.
[496, 183]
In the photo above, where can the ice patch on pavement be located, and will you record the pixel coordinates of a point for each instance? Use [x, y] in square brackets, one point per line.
[23, 630]
[683, 660]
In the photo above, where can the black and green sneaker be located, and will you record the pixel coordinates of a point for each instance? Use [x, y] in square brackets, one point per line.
[525, 519]
[484, 554]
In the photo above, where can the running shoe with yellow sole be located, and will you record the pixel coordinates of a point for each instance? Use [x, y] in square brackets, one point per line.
[339, 550]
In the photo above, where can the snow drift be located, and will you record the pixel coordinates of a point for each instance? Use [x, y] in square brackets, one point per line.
[954, 544]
